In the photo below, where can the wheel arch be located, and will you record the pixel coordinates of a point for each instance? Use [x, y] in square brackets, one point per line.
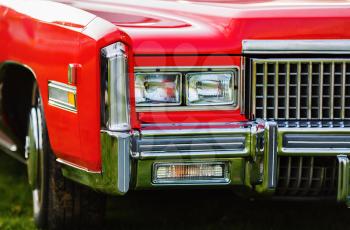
[16, 90]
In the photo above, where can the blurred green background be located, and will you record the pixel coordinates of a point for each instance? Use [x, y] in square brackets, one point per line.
[198, 209]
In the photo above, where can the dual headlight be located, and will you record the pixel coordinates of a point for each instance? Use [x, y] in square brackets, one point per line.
[191, 89]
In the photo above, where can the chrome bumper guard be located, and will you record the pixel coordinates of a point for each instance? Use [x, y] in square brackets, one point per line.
[343, 193]
[260, 143]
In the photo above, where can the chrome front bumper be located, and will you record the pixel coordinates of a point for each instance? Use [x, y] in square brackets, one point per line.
[251, 149]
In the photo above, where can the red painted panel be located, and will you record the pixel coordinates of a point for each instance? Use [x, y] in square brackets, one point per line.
[47, 41]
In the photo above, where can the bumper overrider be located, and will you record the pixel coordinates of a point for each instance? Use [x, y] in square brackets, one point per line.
[243, 155]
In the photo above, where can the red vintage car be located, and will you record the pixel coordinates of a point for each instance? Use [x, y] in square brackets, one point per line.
[107, 97]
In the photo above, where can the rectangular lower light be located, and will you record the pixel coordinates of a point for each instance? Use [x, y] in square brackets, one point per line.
[190, 173]
[62, 96]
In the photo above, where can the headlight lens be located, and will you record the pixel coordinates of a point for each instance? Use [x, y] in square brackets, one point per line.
[210, 88]
[158, 89]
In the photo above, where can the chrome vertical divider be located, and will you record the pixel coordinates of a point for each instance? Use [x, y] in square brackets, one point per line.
[270, 160]
[343, 180]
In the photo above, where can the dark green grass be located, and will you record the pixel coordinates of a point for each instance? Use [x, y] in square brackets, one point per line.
[15, 196]
[200, 209]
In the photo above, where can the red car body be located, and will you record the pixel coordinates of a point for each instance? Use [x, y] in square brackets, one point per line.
[45, 37]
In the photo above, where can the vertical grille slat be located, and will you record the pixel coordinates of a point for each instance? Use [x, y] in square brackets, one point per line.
[320, 114]
[287, 90]
[276, 90]
[309, 102]
[265, 91]
[301, 89]
[331, 98]
[298, 91]
[343, 82]
[307, 176]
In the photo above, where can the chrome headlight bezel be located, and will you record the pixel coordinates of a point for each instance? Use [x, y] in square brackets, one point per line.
[187, 86]
[184, 70]
[159, 104]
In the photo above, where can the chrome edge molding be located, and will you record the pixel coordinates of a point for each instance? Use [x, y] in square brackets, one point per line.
[70, 164]
[241, 84]
[185, 69]
[116, 95]
[296, 46]
[65, 88]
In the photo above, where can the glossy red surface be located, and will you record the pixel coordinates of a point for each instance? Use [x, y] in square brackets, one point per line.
[47, 36]
[34, 38]
[219, 26]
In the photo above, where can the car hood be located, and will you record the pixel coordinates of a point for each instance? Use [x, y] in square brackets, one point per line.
[219, 26]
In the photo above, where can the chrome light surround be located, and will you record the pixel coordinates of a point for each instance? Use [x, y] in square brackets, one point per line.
[115, 106]
[231, 86]
[187, 70]
[206, 172]
[178, 88]
[62, 96]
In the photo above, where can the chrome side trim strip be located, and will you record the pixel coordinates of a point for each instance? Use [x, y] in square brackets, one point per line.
[296, 46]
[67, 163]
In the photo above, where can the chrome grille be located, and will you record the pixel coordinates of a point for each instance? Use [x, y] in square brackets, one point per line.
[301, 89]
[307, 176]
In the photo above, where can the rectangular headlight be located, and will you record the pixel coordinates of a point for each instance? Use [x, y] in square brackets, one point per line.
[157, 89]
[210, 88]
[190, 173]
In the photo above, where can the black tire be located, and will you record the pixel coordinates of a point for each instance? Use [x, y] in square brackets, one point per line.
[62, 203]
